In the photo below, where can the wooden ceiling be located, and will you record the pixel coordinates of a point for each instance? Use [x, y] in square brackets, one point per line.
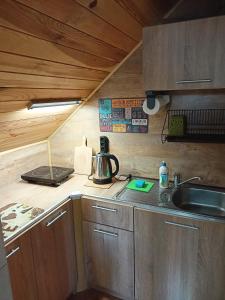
[62, 49]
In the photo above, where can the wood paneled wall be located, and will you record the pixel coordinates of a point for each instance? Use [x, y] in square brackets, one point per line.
[60, 49]
[141, 154]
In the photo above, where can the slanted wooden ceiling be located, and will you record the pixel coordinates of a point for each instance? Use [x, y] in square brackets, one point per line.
[61, 49]
[65, 49]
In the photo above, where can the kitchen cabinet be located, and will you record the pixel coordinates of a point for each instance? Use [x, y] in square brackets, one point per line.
[2, 250]
[53, 247]
[178, 258]
[42, 262]
[108, 213]
[109, 258]
[21, 268]
[185, 55]
[5, 288]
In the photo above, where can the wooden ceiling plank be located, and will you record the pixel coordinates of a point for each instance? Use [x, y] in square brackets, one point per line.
[26, 45]
[36, 81]
[12, 106]
[72, 13]
[26, 94]
[147, 12]
[20, 130]
[41, 129]
[116, 15]
[24, 114]
[35, 66]
[22, 137]
[22, 18]
[13, 125]
[7, 147]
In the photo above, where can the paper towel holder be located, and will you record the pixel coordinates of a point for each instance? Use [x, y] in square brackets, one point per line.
[150, 96]
[150, 101]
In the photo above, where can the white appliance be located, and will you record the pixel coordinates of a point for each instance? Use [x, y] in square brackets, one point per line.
[5, 287]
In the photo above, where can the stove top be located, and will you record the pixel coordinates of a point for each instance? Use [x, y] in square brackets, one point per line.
[48, 175]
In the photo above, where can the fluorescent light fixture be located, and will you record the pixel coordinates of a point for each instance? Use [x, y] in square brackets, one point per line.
[53, 103]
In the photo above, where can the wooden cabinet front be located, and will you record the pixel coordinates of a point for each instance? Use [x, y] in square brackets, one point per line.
[2, 250]
[178, 258]
[108, 213]
[21, 268]
[109, 258]
[185, 55]
[54, 255]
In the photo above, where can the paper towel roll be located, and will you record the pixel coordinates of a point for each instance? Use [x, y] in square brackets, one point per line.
[159, 102]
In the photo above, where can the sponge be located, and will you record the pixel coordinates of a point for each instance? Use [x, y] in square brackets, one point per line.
[139, 183]
[177, 126]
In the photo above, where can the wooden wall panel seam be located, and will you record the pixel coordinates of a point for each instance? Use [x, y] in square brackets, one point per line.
[50, 76]
[116, 15]
[116, 38]
[47, 49]
[107, 22]
[78, 68]
[55, 43]
[123, 5]
[62, 32]
[76, 29]
[36, 81]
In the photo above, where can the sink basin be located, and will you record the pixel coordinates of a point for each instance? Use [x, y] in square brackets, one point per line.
[200, 200]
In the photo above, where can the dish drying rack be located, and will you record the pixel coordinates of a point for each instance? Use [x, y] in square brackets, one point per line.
[201, 126]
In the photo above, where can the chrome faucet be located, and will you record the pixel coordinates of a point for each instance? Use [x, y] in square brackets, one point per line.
[178, 183]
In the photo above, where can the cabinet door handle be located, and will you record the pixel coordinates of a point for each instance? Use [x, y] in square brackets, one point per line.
[194, 81]
[105, 208]
[181, 225]
[12, 252]
[60, 215]
[106, 232]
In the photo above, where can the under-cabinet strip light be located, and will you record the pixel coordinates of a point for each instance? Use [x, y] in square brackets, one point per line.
[52, 103]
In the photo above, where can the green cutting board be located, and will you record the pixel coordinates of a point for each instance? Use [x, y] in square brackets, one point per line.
[148, 186]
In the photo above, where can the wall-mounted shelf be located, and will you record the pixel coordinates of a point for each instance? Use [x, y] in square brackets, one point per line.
[194, 126]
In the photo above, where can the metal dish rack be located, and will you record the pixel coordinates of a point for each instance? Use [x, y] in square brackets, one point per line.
[202, 126]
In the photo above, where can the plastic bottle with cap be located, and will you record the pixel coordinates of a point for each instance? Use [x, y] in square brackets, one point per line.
[163, 175]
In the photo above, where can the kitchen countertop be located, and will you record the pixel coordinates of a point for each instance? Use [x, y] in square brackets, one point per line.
[49, 198]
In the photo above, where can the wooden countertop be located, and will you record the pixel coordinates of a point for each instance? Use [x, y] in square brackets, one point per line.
[48, 198]
[45, 197]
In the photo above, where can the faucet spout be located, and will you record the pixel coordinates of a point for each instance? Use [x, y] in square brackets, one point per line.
[178, 183]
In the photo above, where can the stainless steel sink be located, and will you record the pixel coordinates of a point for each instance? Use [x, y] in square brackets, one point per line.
[200, 200]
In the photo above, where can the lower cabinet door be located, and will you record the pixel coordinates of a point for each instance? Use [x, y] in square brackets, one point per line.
[21, 268]
[166, 257]
[109, 258]
[53, 243]
[5, 288]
